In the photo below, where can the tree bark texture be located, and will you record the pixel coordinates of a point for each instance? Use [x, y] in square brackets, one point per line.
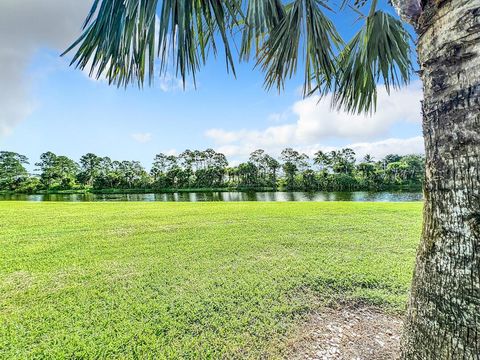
[443, 316]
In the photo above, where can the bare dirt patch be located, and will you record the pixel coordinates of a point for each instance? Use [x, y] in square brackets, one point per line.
[348, 332]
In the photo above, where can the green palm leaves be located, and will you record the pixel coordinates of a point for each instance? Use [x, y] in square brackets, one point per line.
[379, 51]
[124, 40]
[118, 41]
[189, 28]
[303, 21]
[261, 18]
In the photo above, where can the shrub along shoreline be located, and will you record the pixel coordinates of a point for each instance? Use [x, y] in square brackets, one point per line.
[208, 170]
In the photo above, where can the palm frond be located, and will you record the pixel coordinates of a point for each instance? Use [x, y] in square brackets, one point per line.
[122, 37]
[262, 16]
[380, 51]
[304, 25]
[122, 40]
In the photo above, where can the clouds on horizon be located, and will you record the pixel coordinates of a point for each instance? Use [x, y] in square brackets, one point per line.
[315, 122]
[378, 149]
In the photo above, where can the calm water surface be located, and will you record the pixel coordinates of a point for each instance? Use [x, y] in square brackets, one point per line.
[226, 196]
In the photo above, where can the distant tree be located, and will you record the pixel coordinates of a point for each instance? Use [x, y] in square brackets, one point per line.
[293, 161]
[103, 179]
[159, 167]
[187, 159]
[220, 163]
[390, 158]
[133, 174]
[395, 172]
[212, 169]
[322, 159]
[164, 170]
[415, 168]
[247, 173]
[187, 162]
[30, 185]
[12, 170]
[273, 165]
[231, 176]
[368, 159]
[47, 170]
[57, 172]
[89, 168]
[309, 180]
[407, 170]
[366, 169]
[343, 161]
[67, 171]
[367, 173]
[115, 176]
[259, 159]
[199, 159]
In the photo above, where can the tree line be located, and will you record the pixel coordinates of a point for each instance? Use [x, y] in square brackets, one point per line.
[337, 170]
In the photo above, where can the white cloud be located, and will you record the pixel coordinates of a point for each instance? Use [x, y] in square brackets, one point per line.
[377, 149]
[316, 122]
[279, 117]
[26, 26]
[142, 138]
[168, 83]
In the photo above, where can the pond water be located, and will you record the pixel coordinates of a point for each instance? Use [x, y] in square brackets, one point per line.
[226, 196]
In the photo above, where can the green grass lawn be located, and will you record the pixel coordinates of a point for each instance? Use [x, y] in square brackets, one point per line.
[190, 280]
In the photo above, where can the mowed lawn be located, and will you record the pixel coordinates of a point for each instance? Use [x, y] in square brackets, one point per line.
[191, 280]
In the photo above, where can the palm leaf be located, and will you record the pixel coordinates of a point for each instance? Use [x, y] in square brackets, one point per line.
[120, 37]
[380, 51]
[262, 16]
[304, 26]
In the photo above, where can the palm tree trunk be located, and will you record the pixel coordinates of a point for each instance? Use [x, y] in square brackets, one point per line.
[443, 317]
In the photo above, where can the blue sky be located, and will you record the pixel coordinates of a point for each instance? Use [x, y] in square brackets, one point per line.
[49, 106]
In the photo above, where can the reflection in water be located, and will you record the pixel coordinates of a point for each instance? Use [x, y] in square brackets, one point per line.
[318, 196]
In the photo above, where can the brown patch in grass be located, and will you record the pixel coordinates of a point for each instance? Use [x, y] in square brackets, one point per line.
[17, 281]
[348, 332]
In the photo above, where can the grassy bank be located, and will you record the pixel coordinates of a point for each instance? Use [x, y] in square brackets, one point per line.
[190, 280]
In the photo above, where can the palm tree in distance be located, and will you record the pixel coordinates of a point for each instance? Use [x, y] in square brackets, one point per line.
[123, 38]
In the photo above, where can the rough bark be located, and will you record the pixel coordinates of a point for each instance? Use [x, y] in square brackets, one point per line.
[408, 10]
[443, 317]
